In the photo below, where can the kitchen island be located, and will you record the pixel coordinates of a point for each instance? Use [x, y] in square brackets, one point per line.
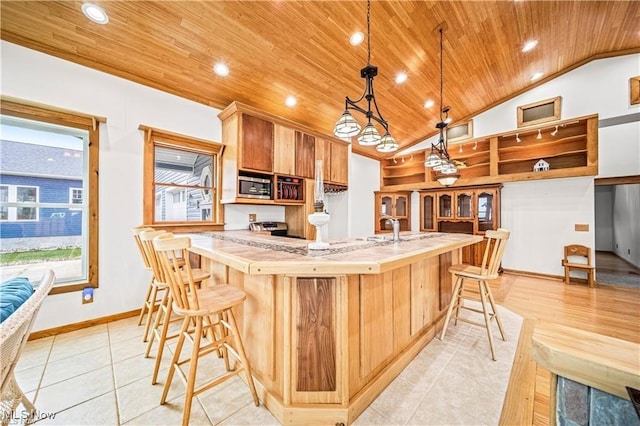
[326, 331]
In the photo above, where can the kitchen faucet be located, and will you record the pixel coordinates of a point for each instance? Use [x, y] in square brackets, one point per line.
[395, 223]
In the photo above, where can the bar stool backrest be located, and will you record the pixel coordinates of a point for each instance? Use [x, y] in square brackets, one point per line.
[136, 235]
[146, 237]
[497, 241]
[171, 254]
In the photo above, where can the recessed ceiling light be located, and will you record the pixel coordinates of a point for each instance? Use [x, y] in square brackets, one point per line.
[536, 76]
[529, 45]
[221, 69]
[95, 13]
[429, 103]
[291, 101]
[401, 77]
[356, 38]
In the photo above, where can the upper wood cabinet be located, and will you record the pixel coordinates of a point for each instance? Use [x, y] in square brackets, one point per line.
[335, 157]
[305, 155]
[256, 144]
[284, 150]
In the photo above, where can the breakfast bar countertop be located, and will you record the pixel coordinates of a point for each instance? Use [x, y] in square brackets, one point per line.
[258, 254]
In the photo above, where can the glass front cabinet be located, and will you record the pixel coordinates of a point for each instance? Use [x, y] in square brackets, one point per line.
[469, 210]
[392, 205]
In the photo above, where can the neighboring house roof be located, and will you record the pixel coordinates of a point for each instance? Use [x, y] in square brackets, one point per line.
[39, 160]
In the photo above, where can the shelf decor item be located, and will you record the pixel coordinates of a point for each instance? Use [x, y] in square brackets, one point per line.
[541, 166]
[319, 218]
[347, 126]
[439, 159]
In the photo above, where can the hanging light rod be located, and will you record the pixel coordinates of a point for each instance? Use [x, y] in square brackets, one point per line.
[347, 126]
[439, 158]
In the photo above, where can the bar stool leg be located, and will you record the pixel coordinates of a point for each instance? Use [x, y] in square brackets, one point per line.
[145, 307]
[175, 359]
[162, 341]
[487, 320]
[455, 299]
[243, 356]
[151, 302]
[193, 369]
[495, 311]
[156, 322]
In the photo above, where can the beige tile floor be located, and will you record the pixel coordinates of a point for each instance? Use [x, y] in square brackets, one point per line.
[99, 376]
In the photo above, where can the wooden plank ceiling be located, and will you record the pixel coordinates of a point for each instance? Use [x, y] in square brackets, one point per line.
[280, 48]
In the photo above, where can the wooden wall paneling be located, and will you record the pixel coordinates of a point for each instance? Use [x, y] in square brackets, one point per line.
[284, 150]
[493, 156]
[419, 277]
[256, 144]
[353, 327]
[401, 283]
[316, 330]
[446, 279]
[305, 155]
[259, 324]
[323, 152]
[592, 142]
[376, 322]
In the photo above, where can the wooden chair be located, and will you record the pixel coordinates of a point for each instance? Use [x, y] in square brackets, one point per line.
[210, 308]
[162, 319]
[496, 242]
[578, 251]
[149, 302]
[14, 332]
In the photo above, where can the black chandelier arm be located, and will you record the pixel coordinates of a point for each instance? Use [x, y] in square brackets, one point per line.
[380, 119]
[349, 104]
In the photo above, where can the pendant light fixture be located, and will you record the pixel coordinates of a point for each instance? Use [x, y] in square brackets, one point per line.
[439, 158]
[347, 126]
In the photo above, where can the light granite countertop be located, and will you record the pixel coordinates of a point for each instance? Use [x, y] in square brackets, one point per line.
[259, 254]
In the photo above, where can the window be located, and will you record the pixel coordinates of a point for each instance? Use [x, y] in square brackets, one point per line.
[75, 195]
[181, 181]
[49, 161]
[18, 203]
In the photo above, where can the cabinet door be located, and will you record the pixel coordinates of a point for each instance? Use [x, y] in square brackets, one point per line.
[464, 205]
[401, 208]
[428, 212]
[445, 205]
[257, 144]
[339, 163]
[305, 155]
[323, 152]
[486, 210]
[284, 151]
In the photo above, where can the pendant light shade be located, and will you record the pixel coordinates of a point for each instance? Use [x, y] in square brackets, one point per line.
[387, 144]
[369, 136]
[346, 126]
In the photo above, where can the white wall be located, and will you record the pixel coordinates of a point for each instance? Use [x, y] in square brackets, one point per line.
[626, 222]
[364, 179]
[599, 87]
[604, 217]
[541, 217]
[33, 76]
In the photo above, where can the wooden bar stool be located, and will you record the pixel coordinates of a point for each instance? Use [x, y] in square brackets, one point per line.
[162, 319]
[497, 240]
[149, 301]
[210, 308]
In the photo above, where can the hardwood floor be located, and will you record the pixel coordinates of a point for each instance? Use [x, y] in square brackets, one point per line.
[607, 261]
[609, 310]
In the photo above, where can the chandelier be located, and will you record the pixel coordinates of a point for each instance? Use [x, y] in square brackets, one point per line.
[347, 126]
[439, 159]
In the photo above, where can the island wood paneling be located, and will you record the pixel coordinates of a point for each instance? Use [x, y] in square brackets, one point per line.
[316, 348]
[402, 306]
[424, 292]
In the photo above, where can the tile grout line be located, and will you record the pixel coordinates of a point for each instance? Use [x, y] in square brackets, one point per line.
[113, 376]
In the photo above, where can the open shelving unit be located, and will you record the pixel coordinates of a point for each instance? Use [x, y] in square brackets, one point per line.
[569, 146]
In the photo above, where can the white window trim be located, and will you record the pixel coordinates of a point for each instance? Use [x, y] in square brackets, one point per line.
[13, 204]
[71, 198]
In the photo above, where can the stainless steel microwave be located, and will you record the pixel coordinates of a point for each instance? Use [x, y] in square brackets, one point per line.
[254, 187]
